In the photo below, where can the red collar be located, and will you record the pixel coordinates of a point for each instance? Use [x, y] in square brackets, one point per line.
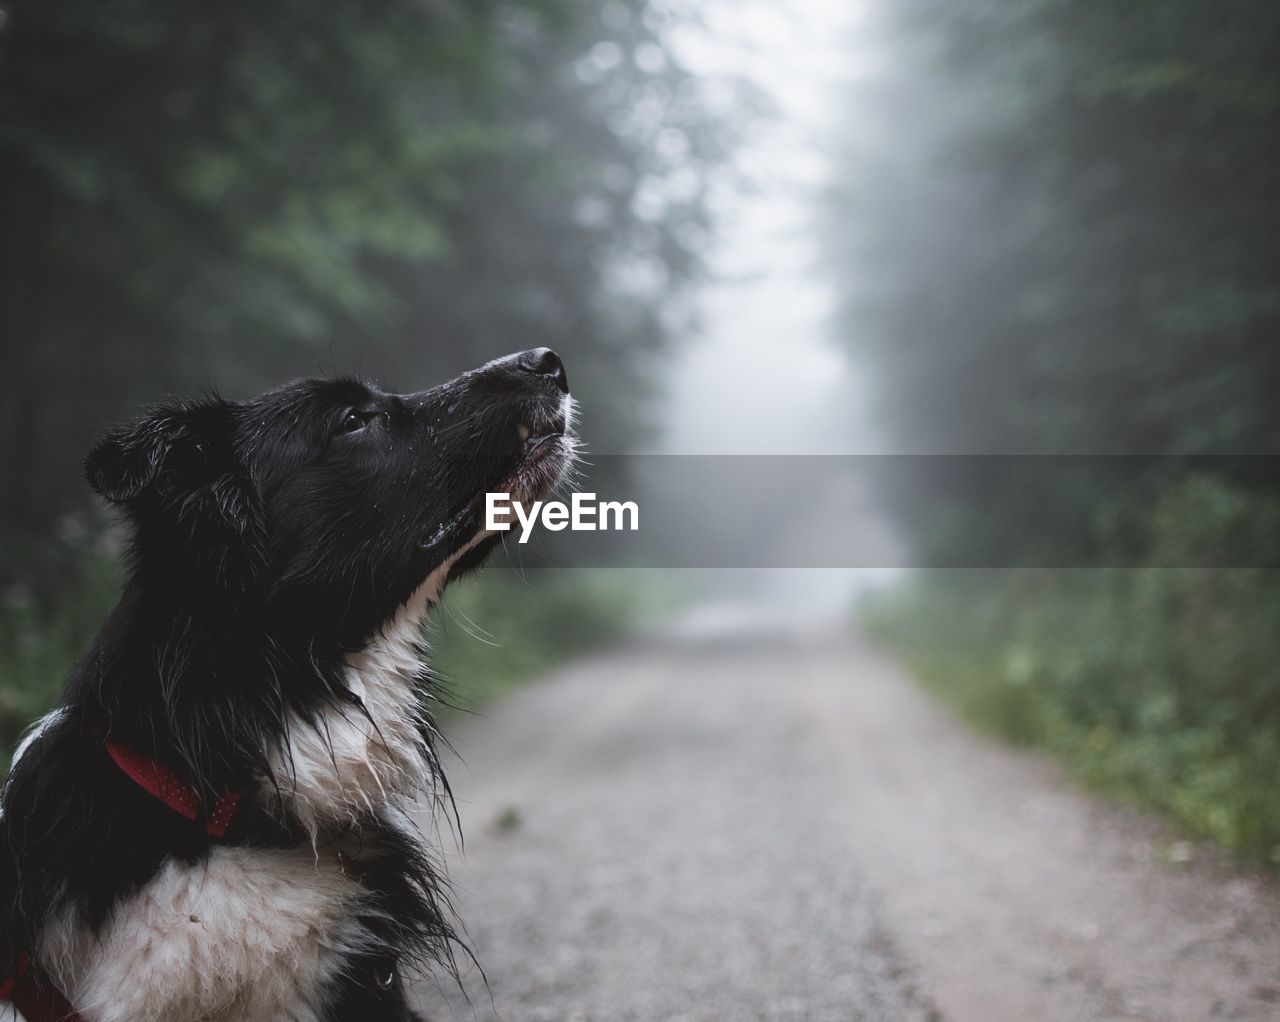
[7, 985]
[35, 998]
[162, 783]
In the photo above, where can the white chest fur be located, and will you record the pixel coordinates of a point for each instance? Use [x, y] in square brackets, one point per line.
[256, 935]
[247, 935]
[348, 764]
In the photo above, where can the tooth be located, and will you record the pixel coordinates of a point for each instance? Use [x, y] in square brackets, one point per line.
[524, 433]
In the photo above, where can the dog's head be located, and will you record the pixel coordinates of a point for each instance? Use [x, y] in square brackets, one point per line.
[329, 501]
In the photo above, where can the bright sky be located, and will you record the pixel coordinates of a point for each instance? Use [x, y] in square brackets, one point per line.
[765, 376]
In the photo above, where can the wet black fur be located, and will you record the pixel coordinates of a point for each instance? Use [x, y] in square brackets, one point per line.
[271, 538]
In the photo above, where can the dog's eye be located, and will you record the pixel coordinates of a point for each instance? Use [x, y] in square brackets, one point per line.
[351, 422]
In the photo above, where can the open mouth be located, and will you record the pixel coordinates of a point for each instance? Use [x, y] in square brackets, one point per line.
[545, 452]
[543, 455]
[535, 448]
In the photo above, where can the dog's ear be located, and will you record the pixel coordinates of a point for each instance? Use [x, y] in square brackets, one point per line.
[181, 458]
[127, 460]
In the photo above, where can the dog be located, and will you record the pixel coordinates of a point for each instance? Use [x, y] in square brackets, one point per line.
[218, 821]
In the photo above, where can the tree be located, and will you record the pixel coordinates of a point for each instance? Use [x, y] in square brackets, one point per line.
[235, 194]
[1058, 235]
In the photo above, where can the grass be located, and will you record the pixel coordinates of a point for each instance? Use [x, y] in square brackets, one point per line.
[1157, 686]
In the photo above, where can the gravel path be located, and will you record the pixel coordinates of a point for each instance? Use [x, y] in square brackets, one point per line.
[782, 829]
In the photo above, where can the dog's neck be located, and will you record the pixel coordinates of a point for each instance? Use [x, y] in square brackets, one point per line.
[377, 749]
[331, 772]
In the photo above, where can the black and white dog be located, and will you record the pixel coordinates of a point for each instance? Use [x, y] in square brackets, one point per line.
[214, 824]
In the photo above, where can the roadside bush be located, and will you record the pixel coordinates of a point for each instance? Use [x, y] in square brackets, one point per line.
[1160, 683]
[50, 609]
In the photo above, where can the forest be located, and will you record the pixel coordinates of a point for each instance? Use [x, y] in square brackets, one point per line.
[1050, 228]
[1069, 215]
[223, 198]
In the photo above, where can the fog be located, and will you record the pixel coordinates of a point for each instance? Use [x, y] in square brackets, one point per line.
[764, 373]
[976, 297]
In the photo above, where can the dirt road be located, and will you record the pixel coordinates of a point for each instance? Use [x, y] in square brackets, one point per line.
[783, 828]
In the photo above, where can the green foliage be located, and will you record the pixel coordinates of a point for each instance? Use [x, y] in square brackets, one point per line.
[228, 196]
[1056, 235]
[47, 621]
[1160, 683]
[222, 197]
[1055, 227]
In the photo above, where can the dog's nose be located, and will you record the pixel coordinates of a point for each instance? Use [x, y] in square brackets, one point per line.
[544, 362]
